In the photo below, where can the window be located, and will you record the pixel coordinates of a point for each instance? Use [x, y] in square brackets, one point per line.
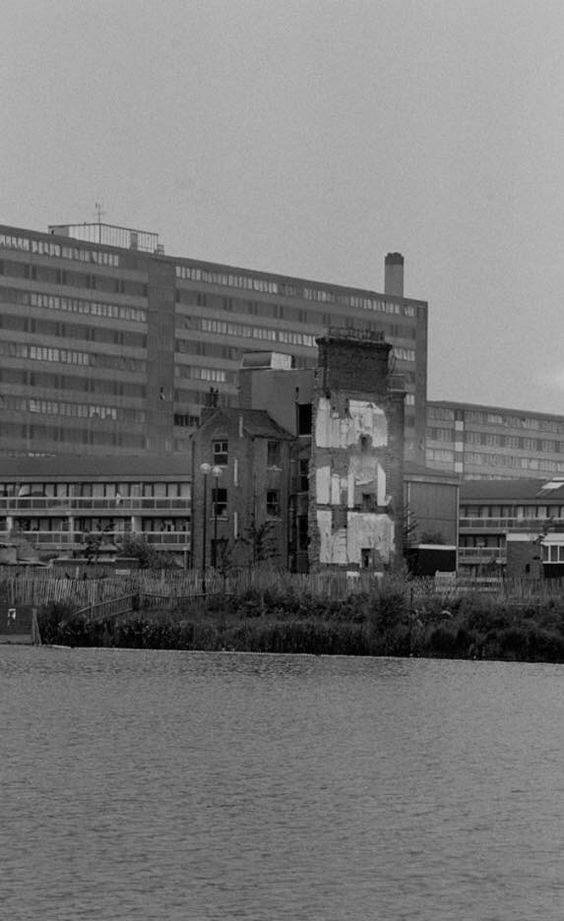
[219, 502]
[302, 484]
[339, 517]
[220, 453]
[273, 454]
[304, 418]
[273, 503]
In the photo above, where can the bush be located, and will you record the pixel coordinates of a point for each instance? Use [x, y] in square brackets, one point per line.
[452, 641]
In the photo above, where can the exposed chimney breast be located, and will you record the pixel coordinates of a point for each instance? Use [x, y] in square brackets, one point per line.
[393, 275]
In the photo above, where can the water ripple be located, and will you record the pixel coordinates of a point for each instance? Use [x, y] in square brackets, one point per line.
[157, 785]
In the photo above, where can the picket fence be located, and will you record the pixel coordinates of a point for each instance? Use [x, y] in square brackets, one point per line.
[170, 589]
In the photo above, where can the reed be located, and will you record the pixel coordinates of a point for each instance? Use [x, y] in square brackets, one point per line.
[319, 614]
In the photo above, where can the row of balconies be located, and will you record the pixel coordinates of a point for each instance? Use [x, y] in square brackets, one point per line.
[502, 524]
[57, 540]
[32, 504]
[482, 555]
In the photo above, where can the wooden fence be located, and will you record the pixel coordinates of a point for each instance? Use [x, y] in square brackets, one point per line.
[171, 589]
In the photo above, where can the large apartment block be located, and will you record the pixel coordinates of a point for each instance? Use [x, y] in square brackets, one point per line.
[490, 442]
[110, 347]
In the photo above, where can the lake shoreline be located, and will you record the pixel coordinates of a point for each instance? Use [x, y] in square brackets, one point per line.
[384, 625]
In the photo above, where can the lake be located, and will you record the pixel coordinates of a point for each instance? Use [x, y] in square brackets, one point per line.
[182, 785]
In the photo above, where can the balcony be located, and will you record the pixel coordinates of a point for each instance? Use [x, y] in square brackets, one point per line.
[503, 524]
[482, 555]
[75, 540]
[35, 504]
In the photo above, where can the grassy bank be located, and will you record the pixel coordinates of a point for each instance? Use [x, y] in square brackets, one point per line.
[380, 622]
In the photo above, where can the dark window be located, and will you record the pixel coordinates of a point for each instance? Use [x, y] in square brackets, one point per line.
[186, 420]
[219, 502]
[304, 418]
[303, 476]
[366, 558]
[338, 517]
[368, 502]
[220, 454]
[273, 454]
[273, 503]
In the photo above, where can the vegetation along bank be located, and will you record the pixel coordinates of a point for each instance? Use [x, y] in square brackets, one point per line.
[390, 621]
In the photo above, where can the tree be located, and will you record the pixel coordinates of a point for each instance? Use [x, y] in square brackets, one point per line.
[137, 547]
[261, 542]
[432, 537]
[93, 546]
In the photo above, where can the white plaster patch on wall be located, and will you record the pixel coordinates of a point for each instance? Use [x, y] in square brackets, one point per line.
[323, 485]
[332, 544]
[383, 498]
[338, 484]
[363, 418]
[369, 531]
[343, 547]
[364, 471]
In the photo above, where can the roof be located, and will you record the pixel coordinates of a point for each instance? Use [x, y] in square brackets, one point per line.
[512, 490]
[257, 423]
[503, 410]
[142, 465]
[413, 471]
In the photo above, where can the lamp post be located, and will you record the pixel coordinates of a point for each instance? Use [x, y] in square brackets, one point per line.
[216, 473]
[206, 469]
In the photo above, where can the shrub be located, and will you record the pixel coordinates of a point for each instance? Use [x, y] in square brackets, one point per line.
[451, 641]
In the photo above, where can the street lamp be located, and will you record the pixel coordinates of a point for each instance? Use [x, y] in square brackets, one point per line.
[216, 473]
[206, 469]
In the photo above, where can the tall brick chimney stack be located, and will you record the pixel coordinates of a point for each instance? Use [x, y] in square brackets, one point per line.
[393, 275]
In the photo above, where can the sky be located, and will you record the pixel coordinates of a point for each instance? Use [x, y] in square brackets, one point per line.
[310, 138]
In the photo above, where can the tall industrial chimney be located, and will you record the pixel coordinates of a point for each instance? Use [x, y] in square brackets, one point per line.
[393, 275]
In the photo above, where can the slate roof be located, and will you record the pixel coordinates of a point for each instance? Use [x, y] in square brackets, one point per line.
[512, 490]
[139, 466]
[257, 423]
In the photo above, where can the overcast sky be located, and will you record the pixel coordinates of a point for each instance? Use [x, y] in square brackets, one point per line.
[310, 137]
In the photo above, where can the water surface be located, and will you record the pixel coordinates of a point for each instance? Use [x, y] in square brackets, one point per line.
[179, 785]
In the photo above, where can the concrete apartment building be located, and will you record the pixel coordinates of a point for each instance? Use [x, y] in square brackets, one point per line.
[52, 506]
[108, 346]
[490, 442]
[513, 528]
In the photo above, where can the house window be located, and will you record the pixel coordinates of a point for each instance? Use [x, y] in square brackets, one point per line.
[220, 453]
[303, 476]
[219, 502]
[366, 557]
[273, 503]
[273, 454]
[304, 418]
